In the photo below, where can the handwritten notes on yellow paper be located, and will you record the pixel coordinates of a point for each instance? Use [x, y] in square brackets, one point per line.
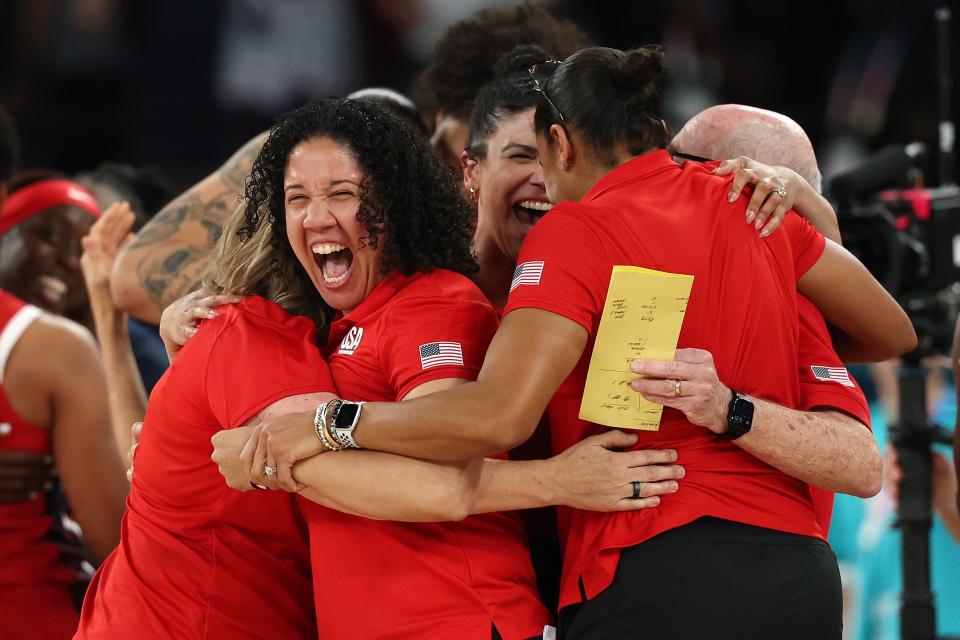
[641, 318]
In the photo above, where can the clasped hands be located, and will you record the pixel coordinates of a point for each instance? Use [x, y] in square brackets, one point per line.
[688, 383]
[279, 442]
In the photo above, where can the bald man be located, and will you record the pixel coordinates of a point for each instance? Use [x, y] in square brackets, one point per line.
[731, 130]
[738, 131]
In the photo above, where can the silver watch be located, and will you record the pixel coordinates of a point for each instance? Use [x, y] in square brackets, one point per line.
[344, 422]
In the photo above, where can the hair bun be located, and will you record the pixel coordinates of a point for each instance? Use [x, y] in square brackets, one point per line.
[640, 70]
[519, 59]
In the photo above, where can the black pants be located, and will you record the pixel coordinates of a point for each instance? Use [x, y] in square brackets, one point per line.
[495, 635]
[716, 579]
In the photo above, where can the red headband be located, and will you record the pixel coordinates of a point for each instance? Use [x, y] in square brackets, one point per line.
[42, 195]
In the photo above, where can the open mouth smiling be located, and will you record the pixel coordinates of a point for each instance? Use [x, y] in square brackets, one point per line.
[335, 262]
[528, 212]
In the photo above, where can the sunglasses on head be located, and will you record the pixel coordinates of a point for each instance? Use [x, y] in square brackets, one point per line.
[545, 70]
[689, 156]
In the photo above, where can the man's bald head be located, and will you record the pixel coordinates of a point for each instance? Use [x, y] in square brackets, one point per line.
[731, 130]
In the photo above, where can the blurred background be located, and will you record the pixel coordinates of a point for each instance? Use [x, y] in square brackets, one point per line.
[179, 84]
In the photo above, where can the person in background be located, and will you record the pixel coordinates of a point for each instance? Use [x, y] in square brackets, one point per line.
[53, 403]
[146, 191]
[128, 398]
[43, 220]
[463, 60]
[22, 473]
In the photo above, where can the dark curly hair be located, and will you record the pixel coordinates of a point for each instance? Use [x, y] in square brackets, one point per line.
[464, 55]
[408, 198]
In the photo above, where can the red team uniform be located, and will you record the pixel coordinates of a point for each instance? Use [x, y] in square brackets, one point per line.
[36, 585]
[565, 267]
[197, 559]
[825, 384]
[379, 579]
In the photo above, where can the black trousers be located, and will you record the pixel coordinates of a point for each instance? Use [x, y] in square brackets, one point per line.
[716, 579]
[495, 635]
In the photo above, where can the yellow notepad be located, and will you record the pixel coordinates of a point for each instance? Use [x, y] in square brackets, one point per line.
[641, 318]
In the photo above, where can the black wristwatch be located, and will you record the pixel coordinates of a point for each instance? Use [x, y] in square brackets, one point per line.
[739, 416]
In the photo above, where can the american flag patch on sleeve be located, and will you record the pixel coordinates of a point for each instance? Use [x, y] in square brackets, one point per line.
[832, 374]
[527, 273]
[435, 354]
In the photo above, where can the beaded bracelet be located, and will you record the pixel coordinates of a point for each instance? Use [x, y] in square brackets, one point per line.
[320, 427]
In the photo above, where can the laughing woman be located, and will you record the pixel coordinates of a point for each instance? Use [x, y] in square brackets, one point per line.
[198, 560]
[384, 236]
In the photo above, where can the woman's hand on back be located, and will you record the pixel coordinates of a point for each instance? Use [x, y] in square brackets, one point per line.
[178, 323]
[594, 475]
[776, 191]
[767, 207]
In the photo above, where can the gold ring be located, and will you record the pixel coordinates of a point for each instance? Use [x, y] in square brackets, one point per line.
[676, 388]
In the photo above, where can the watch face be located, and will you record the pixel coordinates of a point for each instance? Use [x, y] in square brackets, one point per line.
[345, 416]
[742, 414]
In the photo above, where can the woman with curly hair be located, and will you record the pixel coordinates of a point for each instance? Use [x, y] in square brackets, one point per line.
[380, 230]
[344, 201]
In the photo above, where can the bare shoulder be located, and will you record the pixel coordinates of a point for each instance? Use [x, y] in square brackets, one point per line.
[52, 344]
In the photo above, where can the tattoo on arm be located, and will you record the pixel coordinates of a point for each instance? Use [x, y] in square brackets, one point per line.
[234, 171]
[174, 270]
[175, 248]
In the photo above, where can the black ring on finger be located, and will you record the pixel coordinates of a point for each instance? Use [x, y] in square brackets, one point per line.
[636, 490]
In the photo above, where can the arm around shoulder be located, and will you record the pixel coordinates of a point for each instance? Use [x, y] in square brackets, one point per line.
[870, 325]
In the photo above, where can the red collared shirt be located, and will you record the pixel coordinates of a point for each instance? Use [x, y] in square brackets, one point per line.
[380, 579]
[825, 384]
[654, 213]
[197, 559]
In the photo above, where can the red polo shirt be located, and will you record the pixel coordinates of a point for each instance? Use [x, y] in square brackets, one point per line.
[825, 384]
[380, 579]
[652, 212]
[197, 559]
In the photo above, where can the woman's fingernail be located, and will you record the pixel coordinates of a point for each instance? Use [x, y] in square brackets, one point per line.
[211, 313]
[751, 214]
[635, 385]
[731, 196]
[674, 486]
[764, 233]
[758, 223]
[190, 331]
[682, 472]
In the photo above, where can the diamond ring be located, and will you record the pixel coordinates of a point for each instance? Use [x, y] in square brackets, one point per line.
[269, 471]
[781, 191]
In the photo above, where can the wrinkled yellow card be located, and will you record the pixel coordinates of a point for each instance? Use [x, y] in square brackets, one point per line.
[641, 318]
